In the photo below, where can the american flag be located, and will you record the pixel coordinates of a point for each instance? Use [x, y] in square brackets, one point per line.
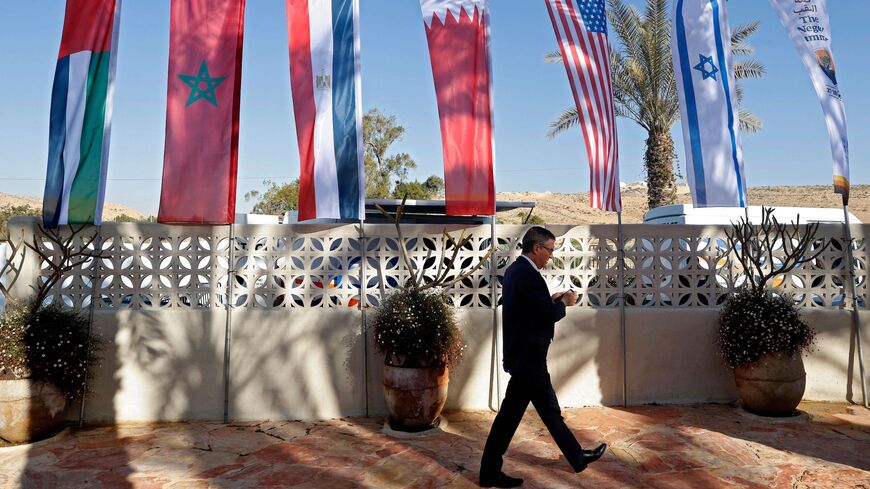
[581, 29]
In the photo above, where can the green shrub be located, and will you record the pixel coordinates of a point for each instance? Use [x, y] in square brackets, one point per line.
[49, 344]
[8, 211]
[753, 324]
[417, 328]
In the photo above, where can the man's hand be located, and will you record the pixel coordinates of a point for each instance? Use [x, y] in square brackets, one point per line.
[569, 297]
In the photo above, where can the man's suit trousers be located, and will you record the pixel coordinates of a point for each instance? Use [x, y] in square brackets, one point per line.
[534, 387]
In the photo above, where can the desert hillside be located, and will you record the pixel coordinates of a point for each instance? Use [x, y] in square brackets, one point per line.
[110, 210]
[556, 208]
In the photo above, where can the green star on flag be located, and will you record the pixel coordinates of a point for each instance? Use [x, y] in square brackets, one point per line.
[202, 85]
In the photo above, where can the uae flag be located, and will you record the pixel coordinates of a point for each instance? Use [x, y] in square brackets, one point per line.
[81, 113]
[458, 35]
[202, 112]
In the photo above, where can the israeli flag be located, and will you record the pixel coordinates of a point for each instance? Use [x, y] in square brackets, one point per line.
[704, 70]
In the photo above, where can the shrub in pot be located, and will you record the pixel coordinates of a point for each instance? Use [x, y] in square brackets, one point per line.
[761, 333]
[417, 333]
[44, 362]
[416, 330]
[762, 337]
[46, 349]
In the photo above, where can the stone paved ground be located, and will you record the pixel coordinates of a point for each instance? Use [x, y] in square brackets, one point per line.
[707, 446]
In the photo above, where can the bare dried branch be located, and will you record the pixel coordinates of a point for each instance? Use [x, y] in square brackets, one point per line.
[396, 218]
[754, 247]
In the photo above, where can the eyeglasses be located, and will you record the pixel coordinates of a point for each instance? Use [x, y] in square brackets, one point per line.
[550, 250]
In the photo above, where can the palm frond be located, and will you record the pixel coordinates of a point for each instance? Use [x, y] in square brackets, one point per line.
[565, 121]
[749, 68]
[741, 49]
[749, 122]
[743, 31]
[553, 57]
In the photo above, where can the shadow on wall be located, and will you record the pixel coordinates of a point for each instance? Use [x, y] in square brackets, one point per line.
[292, 364]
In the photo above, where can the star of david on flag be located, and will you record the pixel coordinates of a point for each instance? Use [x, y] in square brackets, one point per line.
[702, 67]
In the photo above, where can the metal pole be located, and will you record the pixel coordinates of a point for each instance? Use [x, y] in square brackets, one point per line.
[493, 281]
[95, 277]
[621, 278]
[856, 324]
[363, 302]
[231, 277]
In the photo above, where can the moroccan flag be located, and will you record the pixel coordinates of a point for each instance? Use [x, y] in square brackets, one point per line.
[81, 113]
[809, 27]
[704, 69]
[458, 36]
[202, 112]
[325, 79]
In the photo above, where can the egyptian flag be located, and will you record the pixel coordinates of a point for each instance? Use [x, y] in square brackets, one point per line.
[81, 113]
[325, 80]
[202, 112]
[458, 35]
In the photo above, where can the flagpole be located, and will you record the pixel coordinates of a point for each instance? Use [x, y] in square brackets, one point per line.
[493, 262]
[363, 295]
[95, 277]
[493, 281]
[621, 278]
[229, 324]
[856, 324]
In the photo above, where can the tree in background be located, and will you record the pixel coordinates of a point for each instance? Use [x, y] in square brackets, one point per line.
[8, 211]
[380, 131]
[126, 218]
[419, 190]
[645, 91]
[277, 199]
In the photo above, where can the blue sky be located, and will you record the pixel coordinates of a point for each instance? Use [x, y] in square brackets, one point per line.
[793, 149]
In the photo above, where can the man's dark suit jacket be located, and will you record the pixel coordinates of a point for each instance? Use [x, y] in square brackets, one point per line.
[528, 318]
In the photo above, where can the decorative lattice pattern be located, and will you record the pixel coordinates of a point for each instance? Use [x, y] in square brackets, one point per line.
[156, 266]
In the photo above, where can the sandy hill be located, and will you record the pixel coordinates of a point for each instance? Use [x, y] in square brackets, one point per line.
[556, 208]
[110, 210]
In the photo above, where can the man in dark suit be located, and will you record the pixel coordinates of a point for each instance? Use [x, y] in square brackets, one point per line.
[530, 314]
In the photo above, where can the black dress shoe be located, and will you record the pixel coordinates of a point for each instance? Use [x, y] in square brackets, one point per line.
[588, 457]
[499, 479]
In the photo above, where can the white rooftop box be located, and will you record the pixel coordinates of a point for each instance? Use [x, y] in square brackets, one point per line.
[256, 219]
[688, 214]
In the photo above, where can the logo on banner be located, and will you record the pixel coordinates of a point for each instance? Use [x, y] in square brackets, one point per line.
[826, 62]
[323, 81]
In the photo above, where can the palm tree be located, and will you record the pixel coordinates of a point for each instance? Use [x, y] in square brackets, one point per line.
[645, 91]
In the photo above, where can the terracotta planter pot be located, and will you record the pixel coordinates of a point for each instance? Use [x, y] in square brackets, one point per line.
[415, 396]
[773, 386]
[29, 410]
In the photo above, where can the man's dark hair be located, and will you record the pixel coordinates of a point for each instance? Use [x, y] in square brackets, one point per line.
[536, 235]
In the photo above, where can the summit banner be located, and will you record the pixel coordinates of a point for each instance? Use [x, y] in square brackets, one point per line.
[808, 26]
[458, 35]
[202, 112]
[704, 69]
